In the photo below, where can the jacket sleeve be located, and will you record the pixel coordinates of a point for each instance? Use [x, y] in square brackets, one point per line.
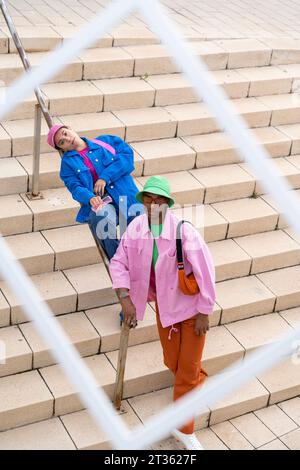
[79, 192]
[119, 267]
[199, 256]
[123, 162]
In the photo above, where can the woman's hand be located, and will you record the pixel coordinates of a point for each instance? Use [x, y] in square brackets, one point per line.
[95, 201]
[99, 187]
[201, 324]
[129, 312]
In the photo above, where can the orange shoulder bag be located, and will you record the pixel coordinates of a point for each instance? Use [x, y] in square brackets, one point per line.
[187, 283]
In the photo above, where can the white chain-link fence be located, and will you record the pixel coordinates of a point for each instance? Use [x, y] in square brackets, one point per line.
[94, 399]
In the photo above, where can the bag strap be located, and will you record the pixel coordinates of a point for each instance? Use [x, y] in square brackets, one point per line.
[180, 264]
[105, 145]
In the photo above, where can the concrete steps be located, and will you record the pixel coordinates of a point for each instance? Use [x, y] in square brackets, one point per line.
[213, 219]
[225, 344]
[43, 39]
[16, 173]
[108, 62]
[77, 430]
[97, 328]
[209, 185]
[57, 249]
[253, 254]
[217, 149]
[154, 58]
[64, 291]
[127, 85]
[73, 246]
[193, 123]
[156, 156]
[155, 90]
[51, 435]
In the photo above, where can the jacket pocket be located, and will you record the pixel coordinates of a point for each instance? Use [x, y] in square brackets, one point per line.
[132, 246]
[82, 171]
[108, 158]
[85, 176]
[171, 253]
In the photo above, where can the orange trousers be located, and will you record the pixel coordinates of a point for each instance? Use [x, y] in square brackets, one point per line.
[182, 350]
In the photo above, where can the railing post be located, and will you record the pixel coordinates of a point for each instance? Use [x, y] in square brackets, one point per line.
[34, 193]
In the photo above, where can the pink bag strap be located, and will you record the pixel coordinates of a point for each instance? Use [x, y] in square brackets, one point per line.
[105, 145]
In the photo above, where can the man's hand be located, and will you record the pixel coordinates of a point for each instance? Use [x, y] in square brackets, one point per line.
[129, 312]
[201, 324]
[99, 187]
[95, 201]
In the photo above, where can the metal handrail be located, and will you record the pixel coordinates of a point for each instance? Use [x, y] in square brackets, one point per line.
[41, 105]
[25, 61]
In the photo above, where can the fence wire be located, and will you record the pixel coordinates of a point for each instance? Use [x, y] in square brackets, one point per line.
[194, 68]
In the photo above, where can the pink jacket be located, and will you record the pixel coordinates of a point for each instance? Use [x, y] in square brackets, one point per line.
[131, 266]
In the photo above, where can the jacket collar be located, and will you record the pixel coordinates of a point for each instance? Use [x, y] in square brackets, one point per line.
[169, 226]
[91, 145]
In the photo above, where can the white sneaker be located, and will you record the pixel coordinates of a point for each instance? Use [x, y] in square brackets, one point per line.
[190, 441]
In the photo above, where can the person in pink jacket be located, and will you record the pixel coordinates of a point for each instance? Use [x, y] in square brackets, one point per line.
[144, 268]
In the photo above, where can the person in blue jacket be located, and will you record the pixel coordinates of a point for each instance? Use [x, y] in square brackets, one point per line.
[92, 169]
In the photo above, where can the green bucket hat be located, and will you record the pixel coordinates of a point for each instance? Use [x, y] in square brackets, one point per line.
[156, 185]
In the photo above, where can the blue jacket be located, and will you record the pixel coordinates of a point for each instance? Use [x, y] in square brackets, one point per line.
[115, 170]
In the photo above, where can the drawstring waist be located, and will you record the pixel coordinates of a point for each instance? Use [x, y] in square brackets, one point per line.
[170, 332]
[173, 328]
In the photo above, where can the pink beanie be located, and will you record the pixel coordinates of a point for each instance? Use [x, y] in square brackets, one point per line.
[52, 132]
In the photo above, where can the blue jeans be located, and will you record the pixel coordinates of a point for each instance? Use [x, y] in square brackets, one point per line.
[104, 227]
